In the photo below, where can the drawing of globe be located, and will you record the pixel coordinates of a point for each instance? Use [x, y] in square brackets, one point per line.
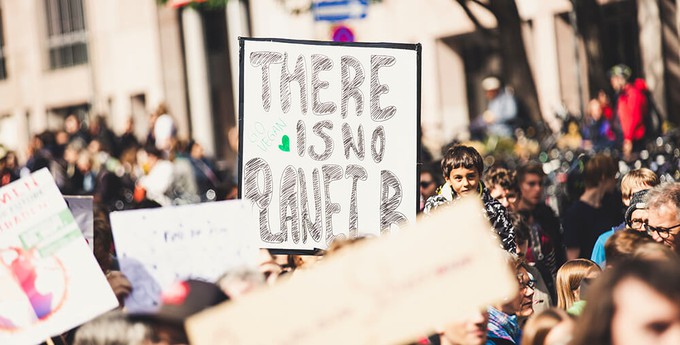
[31, 288]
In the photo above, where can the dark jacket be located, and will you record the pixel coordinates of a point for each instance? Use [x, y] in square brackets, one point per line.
[495, 212]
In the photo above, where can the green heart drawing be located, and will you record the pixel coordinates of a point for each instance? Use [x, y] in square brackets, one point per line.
[285, 144]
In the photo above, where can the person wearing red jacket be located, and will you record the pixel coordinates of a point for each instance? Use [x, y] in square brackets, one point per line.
[631, 107]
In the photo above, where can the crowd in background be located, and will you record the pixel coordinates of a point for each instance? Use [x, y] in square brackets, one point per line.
[589, 222]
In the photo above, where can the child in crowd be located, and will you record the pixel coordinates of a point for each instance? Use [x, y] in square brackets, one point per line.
[633, 182]
[462, 167]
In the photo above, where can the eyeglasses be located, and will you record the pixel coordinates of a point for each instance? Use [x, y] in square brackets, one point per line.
[425, 184]
[661, 231]
[637, 223]
[528, 284]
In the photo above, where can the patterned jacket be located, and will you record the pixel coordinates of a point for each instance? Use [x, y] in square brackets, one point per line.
[494, 211]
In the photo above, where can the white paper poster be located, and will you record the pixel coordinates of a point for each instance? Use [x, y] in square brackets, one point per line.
[81, 208]
[50, 281]
[329, 138]
[158, 247]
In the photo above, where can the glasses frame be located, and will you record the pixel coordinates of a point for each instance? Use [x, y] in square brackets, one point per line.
[664, 233]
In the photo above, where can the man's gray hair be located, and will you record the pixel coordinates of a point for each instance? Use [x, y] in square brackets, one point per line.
[667, 193]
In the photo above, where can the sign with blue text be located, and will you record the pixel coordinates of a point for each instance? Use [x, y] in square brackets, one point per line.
[329, 139]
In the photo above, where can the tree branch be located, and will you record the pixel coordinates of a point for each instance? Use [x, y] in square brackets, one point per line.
[473, 18]
[484, 5]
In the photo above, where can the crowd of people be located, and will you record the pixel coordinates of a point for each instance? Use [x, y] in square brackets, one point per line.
[119, 170]
[602, 269]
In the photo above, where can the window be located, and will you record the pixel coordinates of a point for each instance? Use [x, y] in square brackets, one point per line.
[3, 70]
[66, 33]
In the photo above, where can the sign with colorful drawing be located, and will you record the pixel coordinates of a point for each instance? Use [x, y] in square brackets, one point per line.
[50, 281]
[329, 138]
[157, 247]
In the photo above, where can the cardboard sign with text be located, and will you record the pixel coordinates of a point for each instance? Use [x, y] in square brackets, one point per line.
[328, 138]
[50, 281]
[388, 290]
[158, 247]
[81, 207]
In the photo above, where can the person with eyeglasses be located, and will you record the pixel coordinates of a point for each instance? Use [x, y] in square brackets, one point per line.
[663, 204]
[503, 326]
[634, 187]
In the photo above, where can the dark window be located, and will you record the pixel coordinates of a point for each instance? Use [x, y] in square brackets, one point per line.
[66, 33]
[3, 69]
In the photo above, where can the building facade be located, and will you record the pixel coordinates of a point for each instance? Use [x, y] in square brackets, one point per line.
[122, 58]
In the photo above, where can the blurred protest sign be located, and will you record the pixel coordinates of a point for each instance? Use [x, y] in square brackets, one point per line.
[81, 208]
[50, 281]
[385, 291]
[158, 247]
[329, 138]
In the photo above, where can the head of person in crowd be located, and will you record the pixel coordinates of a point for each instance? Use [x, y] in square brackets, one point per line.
[491, 86]
[569, 278]
[663, 210]
[618, 76]
[634, 303]
[501, 184]
[635, 181]
[503, 326]
[600, 172]
[530, 181]
[462, 167]
[621, 245]
[240, 281]
[471, 330]
[522, 305]
[114, 327]
[522, 233]
[550, 327]
[429, 181]
[72, 125]
[636, 215]
[595, 109]
[181, 301]
[654, 251]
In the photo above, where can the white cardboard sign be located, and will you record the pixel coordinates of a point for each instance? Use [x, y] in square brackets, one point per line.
[50, 281]
[329, 138]
[158, 247]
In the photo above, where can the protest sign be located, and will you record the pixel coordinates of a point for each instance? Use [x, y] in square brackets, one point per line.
[50, 281]
[81, 209]
[388, 290]
[158, 247]
[328, 138]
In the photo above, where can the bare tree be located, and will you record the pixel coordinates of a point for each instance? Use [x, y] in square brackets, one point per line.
[589, 19]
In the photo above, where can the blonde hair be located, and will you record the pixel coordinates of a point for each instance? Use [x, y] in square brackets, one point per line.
[636, 180]
[537, 328]
[569, 277]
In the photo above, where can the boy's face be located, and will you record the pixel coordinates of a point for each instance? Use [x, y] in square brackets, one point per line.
[463, 180]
